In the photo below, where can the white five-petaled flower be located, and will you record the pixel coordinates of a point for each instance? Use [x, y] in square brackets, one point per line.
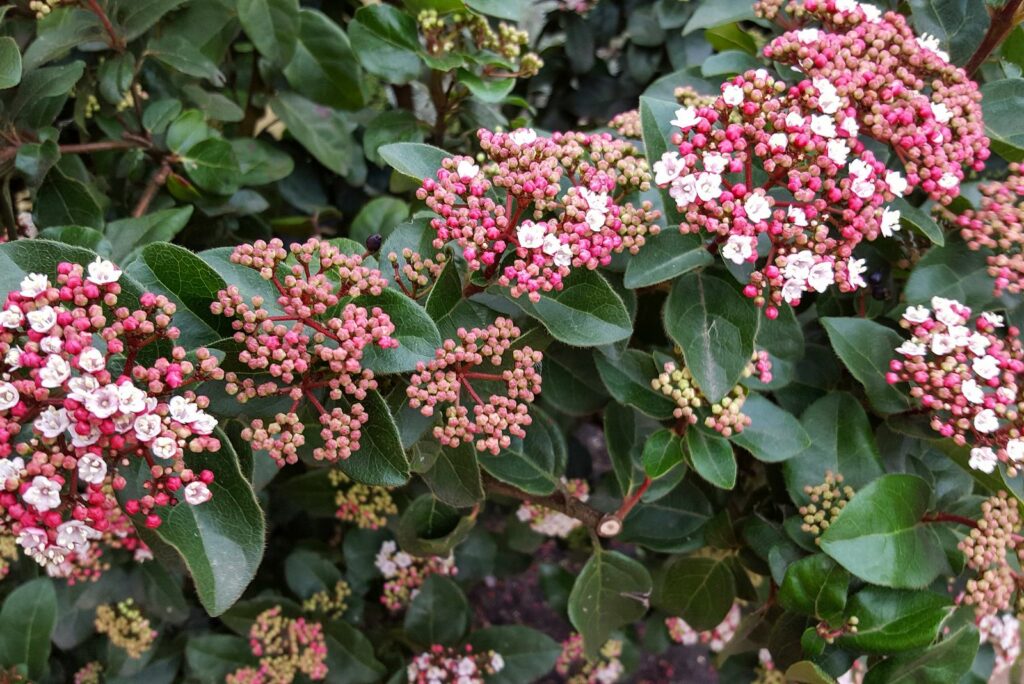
[797, 216]
[896, 182]
[916, 314]
[798, 266]
[871, 13]
[890, 221]
[43, 494]
[948, 181]
[204, 423]
[12, 317]
[986, 367]
[33, 285]
[81, 387]
[148, 427]
[993, 319]
[668, 168]
[709, 186]
[947, 311]
[9, 396]
[978, 343]
[130, 399]
[596, 219]
[103, 272]
[846, 5]
[850, 126]
[89, 439]
[52, 422]
[683, 190]
[808, 36]
[42, 319]
[1015, 449]
[54, 372]
[821, 276]
[986, 421]
[715, 163]
[942, 344]
[778, 141]
[596, 201]
[13, 357]
[862, 187]
[838, 151]
[197, 493]
[74, 535]
[182, 409]
[523, 136]
[51, 345]
[828, 97]
[103, 403]
[983, 459]
[466, 168]
[795, 120]
[91, 360]
[10, 469]
[757, 207]
[855, 270]
[972, 391]
[686, 118]
[911, 348]
[164, 447]
[530, 234]
[792, 290]
[823, 125]
[92, 469]
[941, 112]
[859, 169]
[739, 248]
[732, 95]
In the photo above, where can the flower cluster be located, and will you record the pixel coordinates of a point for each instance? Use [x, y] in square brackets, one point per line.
[827, 501]
[822, 192]
[468, 32]
[90, 673]
[493, 421]
[404, 574]
[365, 506]
[724, 416]
[126, 627]
[553, 523]
[418, 271]
[986, 548]
[456, 665]
[1003, 632]
[965, 375]
[76, 405]
[575, 668]
[627, 124]
[313, 347]
[901, 88]
[714, 639]
[330, 602]
[539, 231]
[998, 225]
[286, 647]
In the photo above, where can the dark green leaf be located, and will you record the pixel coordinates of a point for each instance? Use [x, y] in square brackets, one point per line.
[307, 573]
[212, 657]
[211, 164]
[27, 620]
[387, 42]
[947, 661]
[324, 68]
[417, 335]
[429, 527]
[712, 457]
[628, 379]
[272, 25]
[699, 590]
[135, 17]
[439, 614]
[773, 435]
[325, 133]
[455, 476]
[891, 620]
[380, 460]
[710, 14]
[585, 313]
[390, 127]
[815, 586]
[1001, 103]
[953, 271]
[67, 201]
[182, 55]
[129, 234]
[662, 451]
[610, 591]
[10, 63]
[866, 348]
[665, 256]
[533, 464]
[415, 160]
[350, 652]
[959, 25]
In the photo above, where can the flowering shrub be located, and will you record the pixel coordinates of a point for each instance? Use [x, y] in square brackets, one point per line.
[585, 341]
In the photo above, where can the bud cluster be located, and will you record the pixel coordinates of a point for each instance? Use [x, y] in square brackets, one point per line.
[715, 639]
[286, 647]
[827, 501]
[459, 665]
[313, 347]
[365, 506]
[446, 381]
[404, 574]
[513, 217]
[553, 523]
[126, 627]
[1003, 632]
[575, 668]
[467, 32]
[329, 602]
[986, 548]
[420, 272]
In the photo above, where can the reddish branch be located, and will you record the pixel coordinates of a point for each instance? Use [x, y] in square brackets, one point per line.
[116, 41]
[1003, 22]
[941, 517]
[158, 179]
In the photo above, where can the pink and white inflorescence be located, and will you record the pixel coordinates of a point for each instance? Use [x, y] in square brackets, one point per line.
[552, 523]
[513, 217]
[77, 405]
[964, 370]
[458, 665]
[715, 639]
[313, 347]
[404, 574]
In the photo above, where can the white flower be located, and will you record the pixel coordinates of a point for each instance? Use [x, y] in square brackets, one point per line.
[33, 285]
[523, 136]
[942, 344]
[896, 182]
[12, 317]
[961, 335]
[946, 311]
[204, 423]
[54, 372]
[402, 559]
[986, 367]
[795, 120]
[983, 459]
[798, 266]
[52, 422]
[890, 221]
[13, 357]
[164, 447]
[683, 190]
[530, 234]
[778, 141]
[147, 427]
[738, 248]
[715, 163]
[197, 493]
[838, 151]
[911, 348]
[74, 535]
[986, 421]
[81, 441]
[1015, 449]
[9, 396]
[850, 126]
[828, 97]
[596, 219]
[930, 42]
[91, 360]
[467, 169]
[846, 5]
[466, 666]
[855, 270]
[596, 201]
[33, 540]
[978, 343]
[42, 319]
[497, 662]
[871, 13]
[757, 208]
[103, 403]
[823, 125]
[797, 216]
[808, 36]
[948, 181]
[563, 256]
[941, 112]
[821, 276]
[43, 494]
[103, 272]
[863, 188]
[92, 469]
[709, 186]
[81, 387]
[551, 244]
[130, 398]
[182, 410]
[860, 169]
[732, 95]
[667, 169]
[686, 118]
[51, 345]
[972, 391]
[993, 319]
[916, 314]
[10, 469]
[123, 422]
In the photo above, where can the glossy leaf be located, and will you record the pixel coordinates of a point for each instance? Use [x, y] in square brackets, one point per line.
[815, 586]
[27, 620]
[866, 348]
[699, 590]
[439, 614]
[892, 620]
[712, 457]
[610, 591]
[773, 435]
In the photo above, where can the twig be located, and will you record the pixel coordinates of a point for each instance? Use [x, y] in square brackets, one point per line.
[572, 507]
[1003, 22]
[942, 517]
[155, 183]
[115, 39]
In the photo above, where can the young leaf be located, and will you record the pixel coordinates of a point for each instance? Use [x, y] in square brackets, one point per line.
[611, 591]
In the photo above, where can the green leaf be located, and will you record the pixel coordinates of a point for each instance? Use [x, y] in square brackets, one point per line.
[571, 381]
[662, 451]
[390, 127]
[625, 433]
[879, 536]
[260, 163]
[528, 654]
[890, 620]
[42, 94]
[212, 657]
[380, 216]
[387, 42]
[324, 68]
[534, 464]
[628, 379]
[1001, 102]
[726, 64]
[711, 14]
[10, 63]
[67, 201]
[129, 234]
[416, 333]
[307, 573]
[429, 527]
[842, 442]
[455, 476]
[730, 37]
[920, 221]
[655, 117]
[585, 313]
[21, 257]
[325, 133]
[492, 90]
[272, 25]
[502, 9]
[960, 25]
[35, 160]
[177, 52]
[712, 457]
[663, 523]
[439, 614]
[815, 586]
[953, 271]
[79, 236]
[715, 327]
[699, 590]
[610, 591]
[665, 256]
[866, 348]
[349, 651]
[211, 164]
[773, 435]
[27, 620]
[380, 461]
[135, 17]
[58, 32]
[947, 661]
[415, 160]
